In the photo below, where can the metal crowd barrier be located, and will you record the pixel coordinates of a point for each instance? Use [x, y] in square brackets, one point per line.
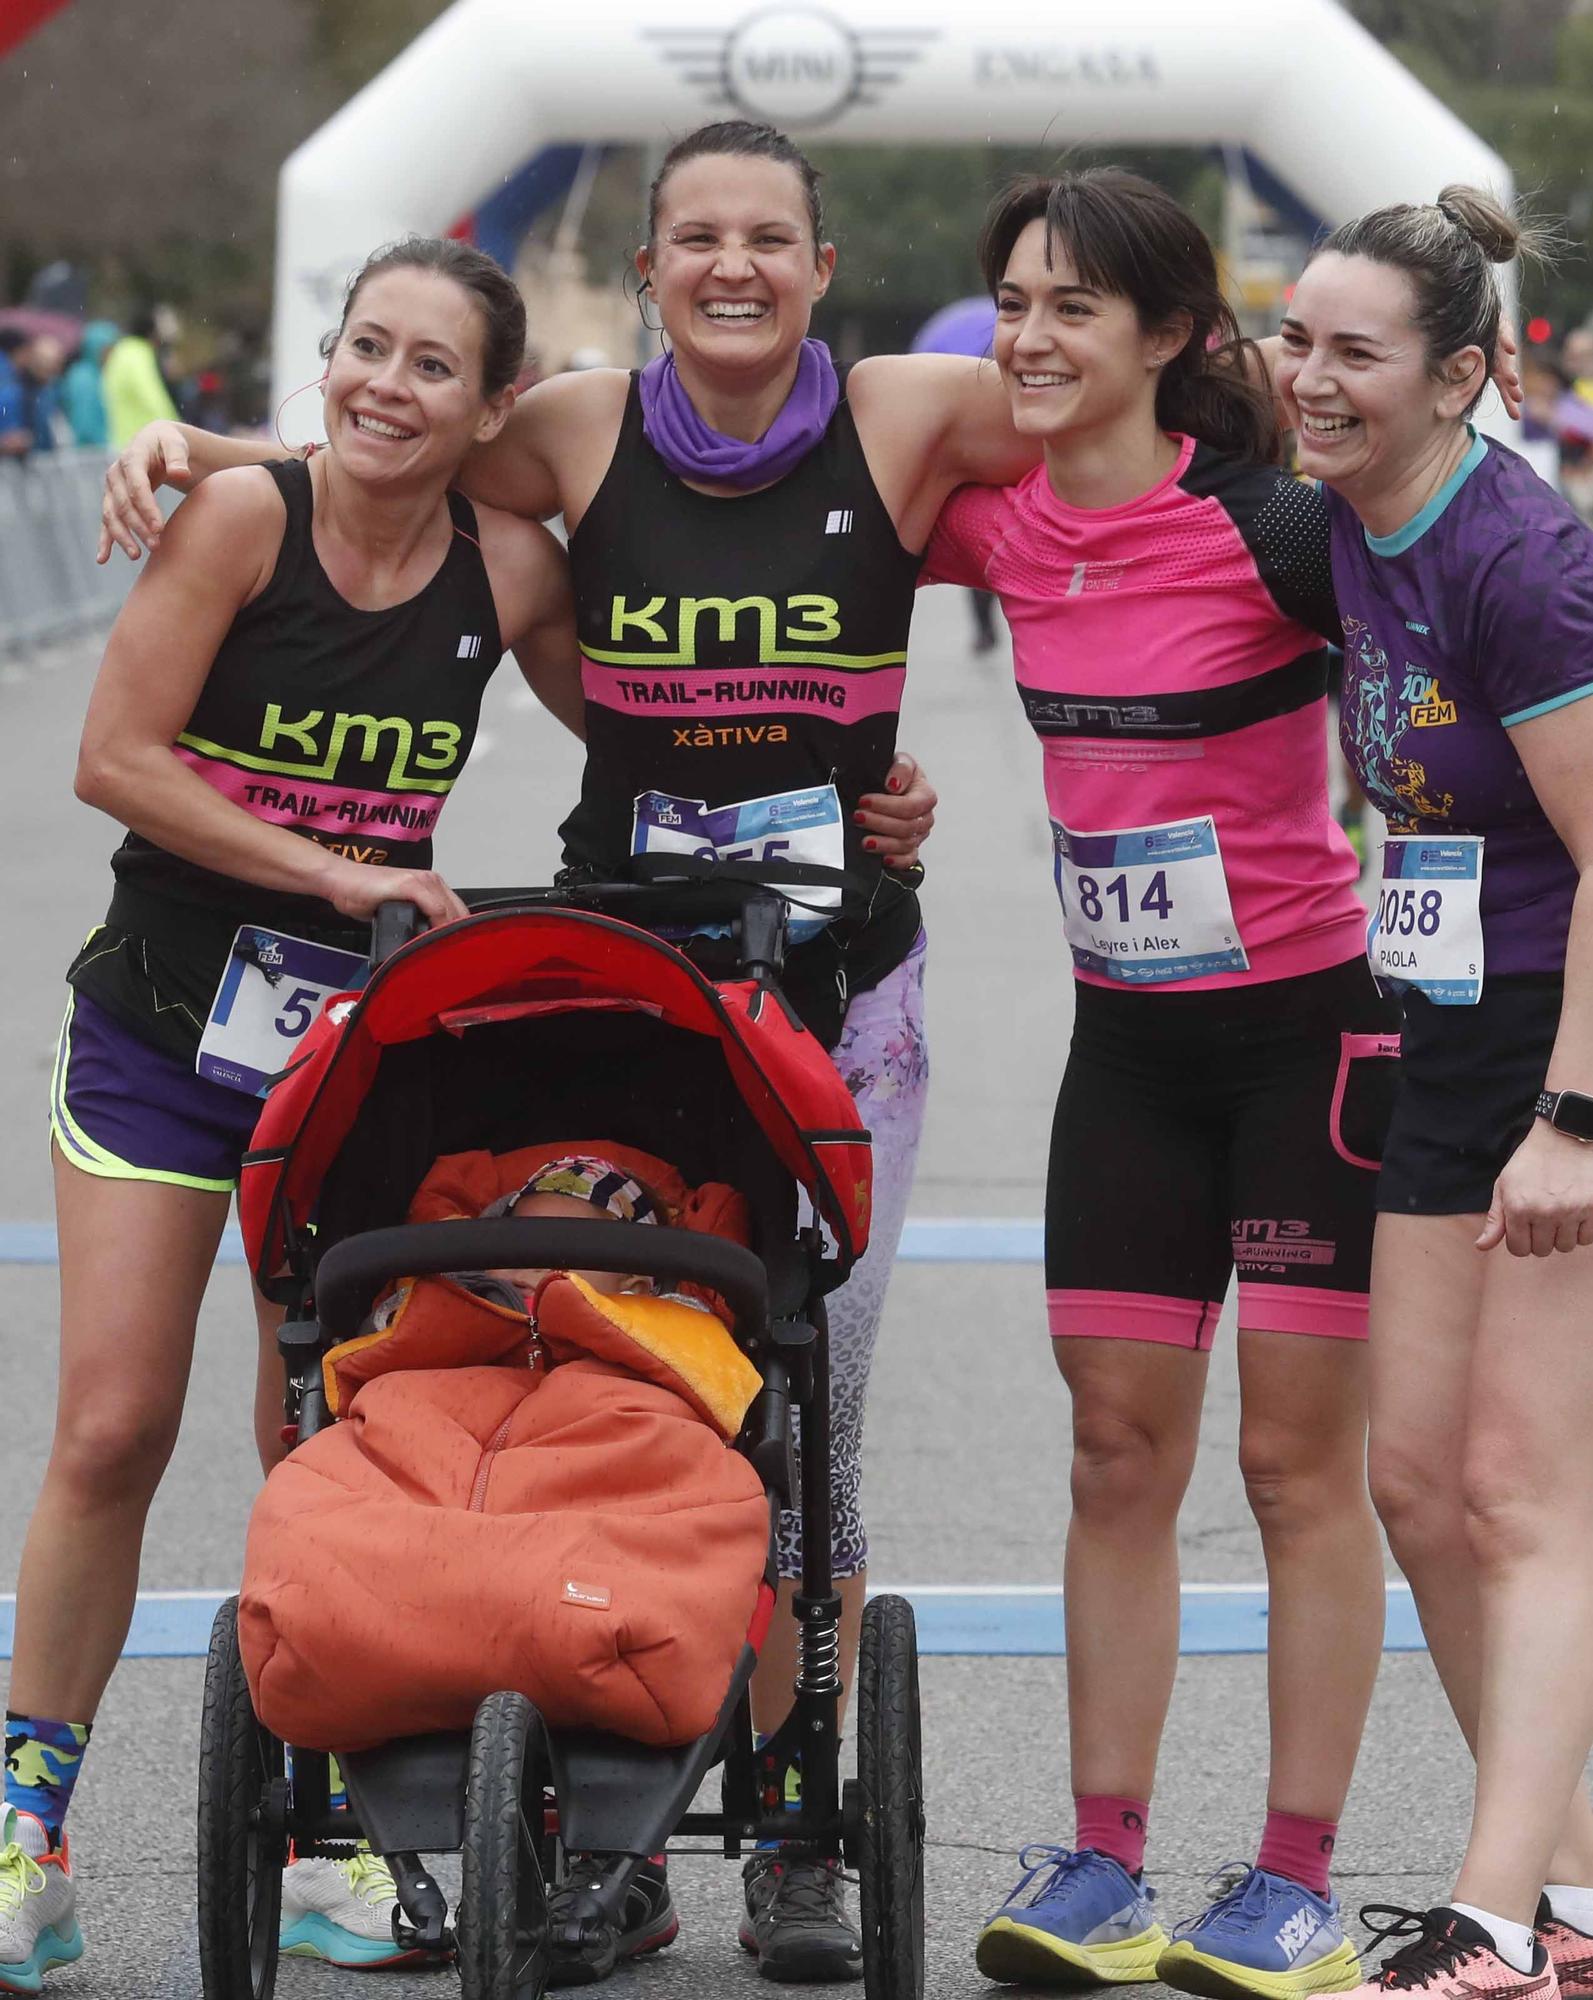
[51, 588]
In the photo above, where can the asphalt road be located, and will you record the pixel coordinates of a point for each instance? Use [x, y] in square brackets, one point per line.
[967, 1455]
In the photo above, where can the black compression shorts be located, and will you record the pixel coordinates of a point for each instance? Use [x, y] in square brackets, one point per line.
[1199, 1132]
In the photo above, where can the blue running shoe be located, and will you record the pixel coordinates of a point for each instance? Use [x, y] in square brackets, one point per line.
[1086, 1922]
[1263, 1934]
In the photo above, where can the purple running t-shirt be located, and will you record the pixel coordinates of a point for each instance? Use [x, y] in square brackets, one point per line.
[1476, 615]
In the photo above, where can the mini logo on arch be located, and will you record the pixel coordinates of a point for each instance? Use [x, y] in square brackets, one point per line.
[792, 65]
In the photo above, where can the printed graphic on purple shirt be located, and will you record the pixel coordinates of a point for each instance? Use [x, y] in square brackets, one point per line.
[1476, 616]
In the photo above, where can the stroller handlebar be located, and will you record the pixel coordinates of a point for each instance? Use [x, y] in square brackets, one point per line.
[351, 1273]
[755, 914]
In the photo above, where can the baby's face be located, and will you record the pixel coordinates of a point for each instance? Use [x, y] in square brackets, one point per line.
[567, 1208]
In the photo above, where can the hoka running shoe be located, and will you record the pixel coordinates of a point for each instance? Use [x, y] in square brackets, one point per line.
[650, 1922]
[342, 1911]
[1262, 1934]
[796, 1918]
[1450, 1957]
[38, 1904]
[1074, 1919]
[1570, 1950]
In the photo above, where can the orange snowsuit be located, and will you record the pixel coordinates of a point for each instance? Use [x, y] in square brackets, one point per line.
[559, 1514]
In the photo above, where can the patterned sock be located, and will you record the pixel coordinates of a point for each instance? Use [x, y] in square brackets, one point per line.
[1299, 1849]
[43, 1759]
[1112, 1825]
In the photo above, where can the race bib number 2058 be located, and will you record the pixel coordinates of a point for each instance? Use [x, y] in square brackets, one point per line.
[1426, 930]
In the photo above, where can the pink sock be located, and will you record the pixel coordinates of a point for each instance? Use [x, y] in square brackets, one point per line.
[1112, 1826]
[1301, 1849]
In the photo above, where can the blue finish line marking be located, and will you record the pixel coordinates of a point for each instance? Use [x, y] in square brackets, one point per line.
[980, 1621]
[928, 1240]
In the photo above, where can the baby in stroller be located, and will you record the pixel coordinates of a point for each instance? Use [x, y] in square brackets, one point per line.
[587, 1187]
[541, 1457]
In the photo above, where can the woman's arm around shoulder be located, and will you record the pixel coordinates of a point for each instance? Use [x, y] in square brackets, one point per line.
[551, 455]
[931, 422]
[167, 454]
[530, 577]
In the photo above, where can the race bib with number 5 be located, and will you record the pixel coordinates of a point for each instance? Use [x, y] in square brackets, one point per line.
[787, 826]
[271, 991]
[1426, 931]
[1145, 904]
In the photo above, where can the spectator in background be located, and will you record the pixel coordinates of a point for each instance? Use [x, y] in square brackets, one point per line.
[29, 366]
[1572, 420]
[16, 433]
[1576, 359]
[82, 396]
[134, 388]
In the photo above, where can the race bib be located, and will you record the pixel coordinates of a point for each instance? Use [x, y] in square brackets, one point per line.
[271, 991]
[1426, 931]
[1147, 903]
[790, 826]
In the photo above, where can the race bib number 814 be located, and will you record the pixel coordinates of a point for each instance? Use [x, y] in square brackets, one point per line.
[1144, 904]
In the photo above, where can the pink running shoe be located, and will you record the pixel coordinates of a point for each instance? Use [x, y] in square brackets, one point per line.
[1570, 1953]
[1449, 1957]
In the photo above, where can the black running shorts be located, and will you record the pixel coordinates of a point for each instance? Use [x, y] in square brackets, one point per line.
[1467, 1086]
[1196, 1133]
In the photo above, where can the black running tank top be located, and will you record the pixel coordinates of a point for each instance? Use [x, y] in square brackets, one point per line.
[346, 726]
[734, 649]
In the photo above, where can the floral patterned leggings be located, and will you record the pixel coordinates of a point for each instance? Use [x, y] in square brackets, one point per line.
[885, 1061]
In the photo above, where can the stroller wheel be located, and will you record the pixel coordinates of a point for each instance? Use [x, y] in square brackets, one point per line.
[504, 1949]
[890, 1794]
[241, 1843]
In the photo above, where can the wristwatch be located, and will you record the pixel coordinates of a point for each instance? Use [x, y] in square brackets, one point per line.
[1568, 1111]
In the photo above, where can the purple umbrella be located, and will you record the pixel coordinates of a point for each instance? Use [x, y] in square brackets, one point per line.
[965, 327]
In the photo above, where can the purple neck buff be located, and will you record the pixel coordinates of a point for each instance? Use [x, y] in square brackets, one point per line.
[694, 450]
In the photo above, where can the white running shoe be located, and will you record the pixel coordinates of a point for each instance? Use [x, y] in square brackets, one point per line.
[38, 1905]
[342, 1911]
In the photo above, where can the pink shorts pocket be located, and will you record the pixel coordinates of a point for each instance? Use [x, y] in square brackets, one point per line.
[1363, 1098]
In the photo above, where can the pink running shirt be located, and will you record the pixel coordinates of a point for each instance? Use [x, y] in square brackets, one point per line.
[1169, 656]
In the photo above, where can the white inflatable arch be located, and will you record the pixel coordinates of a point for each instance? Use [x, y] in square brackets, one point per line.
[491, 82]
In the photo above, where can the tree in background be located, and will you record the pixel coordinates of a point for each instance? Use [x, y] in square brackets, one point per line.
[1520, 73]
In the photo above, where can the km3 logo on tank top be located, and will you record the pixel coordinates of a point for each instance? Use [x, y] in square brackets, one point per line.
[666, 655]
[739, 656]
[348, 726]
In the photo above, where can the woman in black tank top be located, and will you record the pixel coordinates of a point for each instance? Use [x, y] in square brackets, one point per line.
[744, 644]
[284, 703]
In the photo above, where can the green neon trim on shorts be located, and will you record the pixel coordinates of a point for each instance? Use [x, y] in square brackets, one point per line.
[73, 1142]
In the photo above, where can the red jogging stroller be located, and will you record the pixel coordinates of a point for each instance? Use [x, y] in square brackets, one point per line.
[548, 1012]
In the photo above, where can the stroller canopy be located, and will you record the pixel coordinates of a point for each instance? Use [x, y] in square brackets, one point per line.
[523, 970]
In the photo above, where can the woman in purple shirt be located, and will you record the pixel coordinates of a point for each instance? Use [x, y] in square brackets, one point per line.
[1466, 589]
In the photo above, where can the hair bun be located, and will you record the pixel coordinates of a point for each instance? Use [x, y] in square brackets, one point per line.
[1486, 221]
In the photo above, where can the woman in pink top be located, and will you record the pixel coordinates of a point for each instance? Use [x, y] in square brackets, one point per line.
[1169, 592]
